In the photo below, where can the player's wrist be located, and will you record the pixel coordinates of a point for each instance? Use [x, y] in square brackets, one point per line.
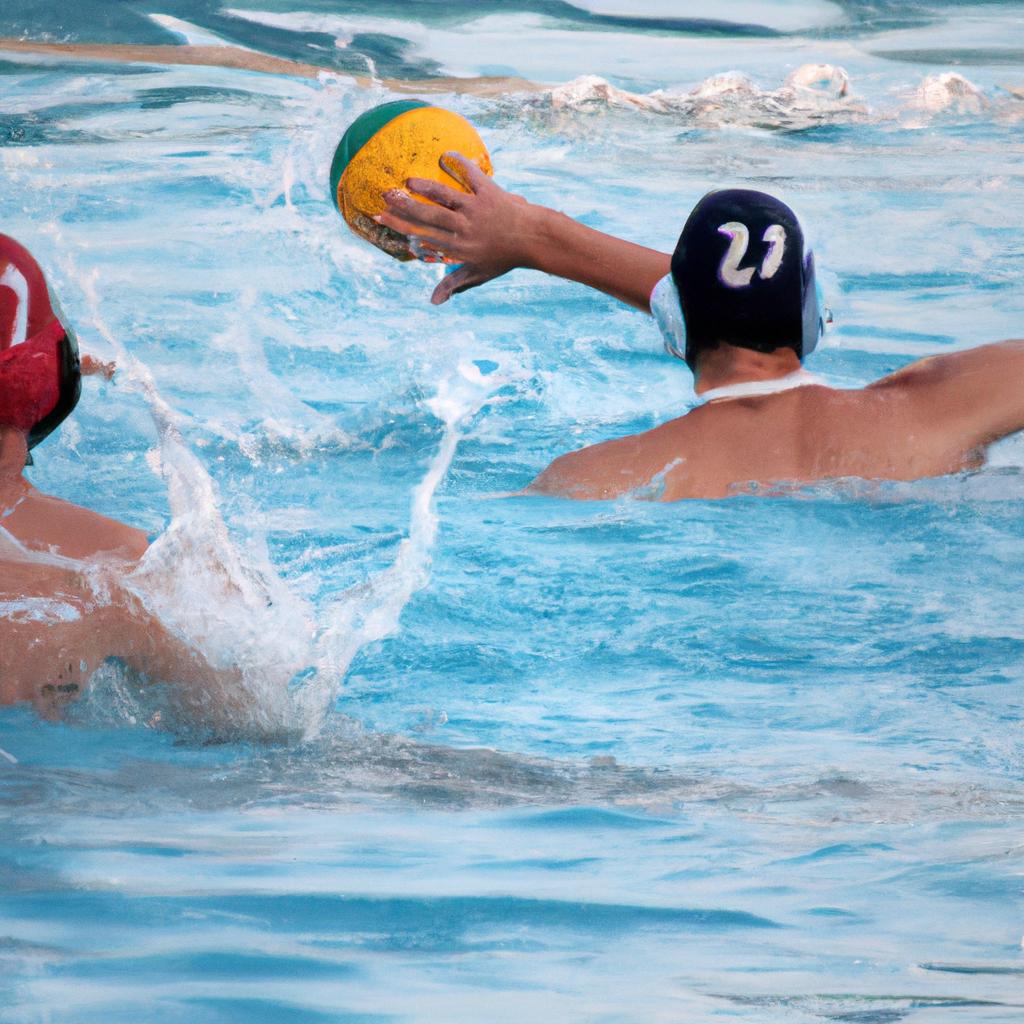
[540, 236]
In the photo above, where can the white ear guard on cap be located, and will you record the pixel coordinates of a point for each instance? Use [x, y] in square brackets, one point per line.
[667, 310]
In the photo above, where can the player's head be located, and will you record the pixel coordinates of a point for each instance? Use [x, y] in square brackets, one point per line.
[740, 275]
[40, 378]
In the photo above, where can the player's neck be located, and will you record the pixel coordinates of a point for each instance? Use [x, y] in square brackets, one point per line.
[729, 364]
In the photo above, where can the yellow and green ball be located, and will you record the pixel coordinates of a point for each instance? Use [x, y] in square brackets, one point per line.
[385, 146]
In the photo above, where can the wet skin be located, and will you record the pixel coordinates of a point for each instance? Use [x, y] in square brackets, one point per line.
[43, 523]
[63, 572]
[934, 417]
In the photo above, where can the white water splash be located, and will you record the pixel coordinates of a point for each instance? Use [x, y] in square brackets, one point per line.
[233, 606]
[191, 35]
[371, 610]
[285, 422]
[193, 576]
[822, 79]
[950, 92]
[591, 89]
[811, 94]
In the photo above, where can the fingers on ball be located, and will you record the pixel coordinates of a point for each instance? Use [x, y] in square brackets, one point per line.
[431, 215]
[437, 192]
[422, 227]
[464, 171]
[414, 211]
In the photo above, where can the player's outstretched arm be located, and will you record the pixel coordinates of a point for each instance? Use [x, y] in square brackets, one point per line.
[976, 394]
[490, 232]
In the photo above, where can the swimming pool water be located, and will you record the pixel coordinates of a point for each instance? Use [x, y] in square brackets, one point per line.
[756, 760]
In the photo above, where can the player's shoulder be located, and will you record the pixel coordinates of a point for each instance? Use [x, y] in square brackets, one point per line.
[954, 368]
[914, 376]
[74, 531]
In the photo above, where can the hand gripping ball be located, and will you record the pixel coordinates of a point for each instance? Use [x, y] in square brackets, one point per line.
[384, 147]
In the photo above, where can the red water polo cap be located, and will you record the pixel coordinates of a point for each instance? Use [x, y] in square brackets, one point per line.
[40, 379]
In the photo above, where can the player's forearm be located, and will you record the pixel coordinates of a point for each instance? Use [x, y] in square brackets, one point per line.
[557, 244]
[213, 697]
[152, 650]
[490, 231]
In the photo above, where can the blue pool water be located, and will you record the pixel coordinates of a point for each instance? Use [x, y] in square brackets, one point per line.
[505, 759]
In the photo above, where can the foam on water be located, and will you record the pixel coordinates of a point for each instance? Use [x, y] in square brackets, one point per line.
[755, 759]
[813, 94]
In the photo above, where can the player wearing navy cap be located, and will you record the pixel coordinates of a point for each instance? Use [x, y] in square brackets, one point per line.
[740, 275]
[738, 301]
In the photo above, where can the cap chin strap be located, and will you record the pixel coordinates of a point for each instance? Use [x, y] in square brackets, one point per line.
[760, 388]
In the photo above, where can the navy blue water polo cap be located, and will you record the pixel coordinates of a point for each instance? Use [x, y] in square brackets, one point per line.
[744, 277]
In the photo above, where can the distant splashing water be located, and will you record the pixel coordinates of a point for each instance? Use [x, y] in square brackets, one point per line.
[811, 95]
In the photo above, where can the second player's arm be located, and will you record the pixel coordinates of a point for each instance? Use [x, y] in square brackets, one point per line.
[51, 661]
